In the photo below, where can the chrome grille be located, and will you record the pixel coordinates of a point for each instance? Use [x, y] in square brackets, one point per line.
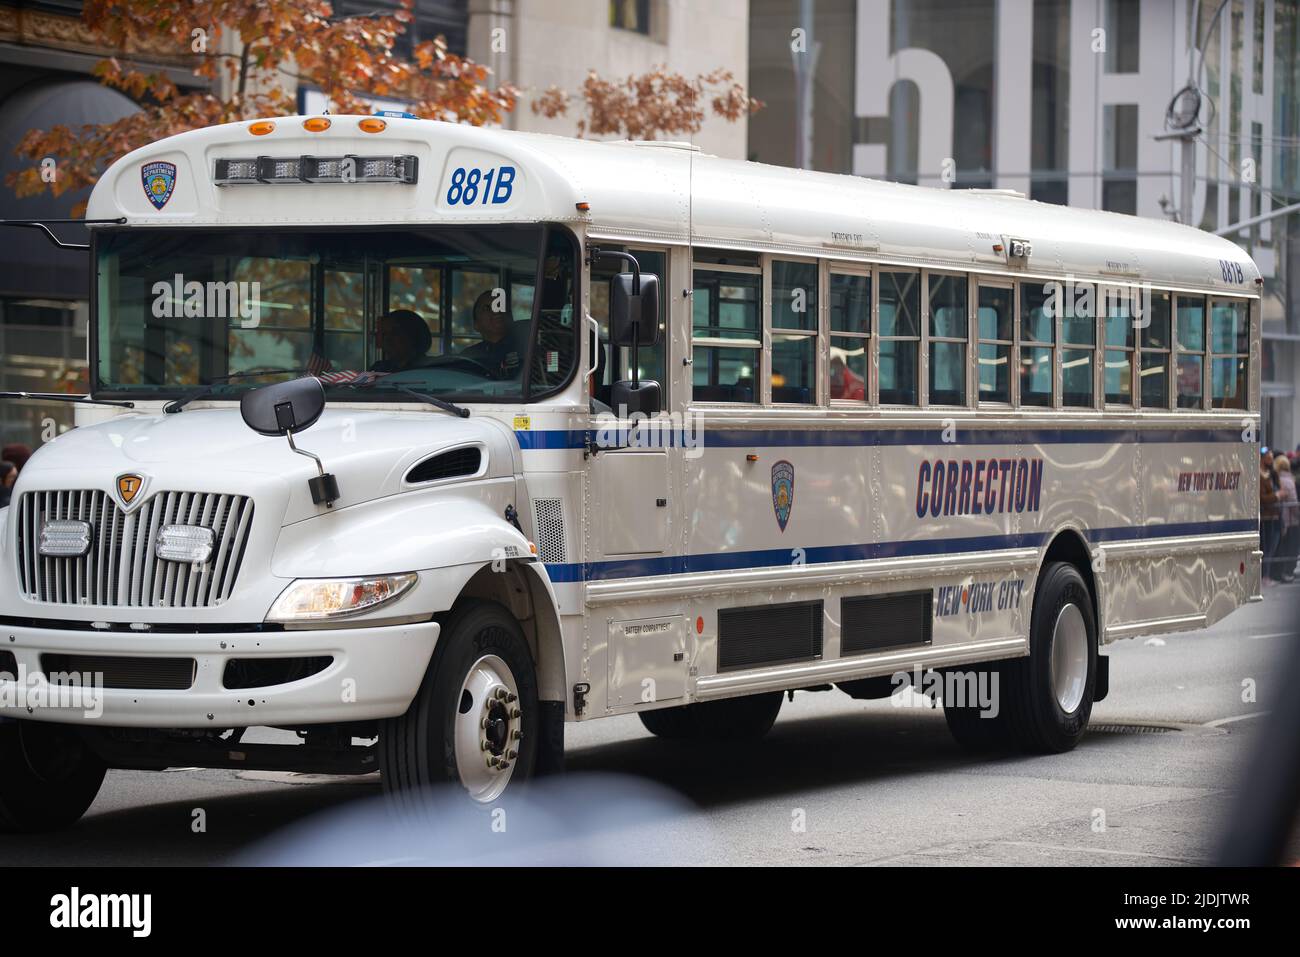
[120, 568]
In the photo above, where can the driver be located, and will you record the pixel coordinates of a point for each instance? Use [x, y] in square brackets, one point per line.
[404, 339]
[497, 350]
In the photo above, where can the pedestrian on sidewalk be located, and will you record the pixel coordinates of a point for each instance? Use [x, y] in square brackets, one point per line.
[1289, 514]
[1269, 520]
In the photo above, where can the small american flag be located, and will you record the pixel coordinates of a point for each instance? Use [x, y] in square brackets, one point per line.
[320, 367]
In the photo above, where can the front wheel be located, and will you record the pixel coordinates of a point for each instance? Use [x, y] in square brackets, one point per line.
[48, 777]
[475, 721]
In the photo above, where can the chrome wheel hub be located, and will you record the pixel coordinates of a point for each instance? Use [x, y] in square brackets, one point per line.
[489, 727]
[1069, 658]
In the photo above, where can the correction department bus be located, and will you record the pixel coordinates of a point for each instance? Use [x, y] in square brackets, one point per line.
[423, 440]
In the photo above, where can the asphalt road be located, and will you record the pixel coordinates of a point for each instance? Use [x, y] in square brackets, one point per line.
[837, 781]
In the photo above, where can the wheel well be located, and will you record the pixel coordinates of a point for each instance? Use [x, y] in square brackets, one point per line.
[1068, 546]
[521, 593]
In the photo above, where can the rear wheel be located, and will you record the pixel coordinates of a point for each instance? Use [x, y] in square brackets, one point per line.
[1048, 696]
[475, 721]
[733, 718]
[48, 777]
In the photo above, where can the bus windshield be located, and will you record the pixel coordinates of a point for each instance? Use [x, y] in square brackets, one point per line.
[453, 312]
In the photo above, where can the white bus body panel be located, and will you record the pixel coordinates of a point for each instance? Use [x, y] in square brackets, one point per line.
[635, 586]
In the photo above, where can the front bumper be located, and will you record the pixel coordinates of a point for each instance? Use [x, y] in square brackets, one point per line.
[375, 673]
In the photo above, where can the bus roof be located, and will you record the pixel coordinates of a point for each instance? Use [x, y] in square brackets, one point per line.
[657, 192]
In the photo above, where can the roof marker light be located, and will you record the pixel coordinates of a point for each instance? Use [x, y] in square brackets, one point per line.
[317, 124]
[261, 127]
[583, 207]
[372, 125]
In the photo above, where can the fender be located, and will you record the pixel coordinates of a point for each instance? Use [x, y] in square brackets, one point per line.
[446, 537]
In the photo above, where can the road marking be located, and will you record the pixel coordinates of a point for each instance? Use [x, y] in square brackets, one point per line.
[1280, 634]
[1219, 722]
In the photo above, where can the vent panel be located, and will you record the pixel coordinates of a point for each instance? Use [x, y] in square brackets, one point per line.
[769, 635]
[445, 465]
[549, 513]
[131, 674]
[876, 622]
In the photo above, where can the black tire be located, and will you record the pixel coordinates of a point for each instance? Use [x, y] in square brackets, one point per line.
[751, 716]
[419, 749]
[48, 777]
[1035, 717]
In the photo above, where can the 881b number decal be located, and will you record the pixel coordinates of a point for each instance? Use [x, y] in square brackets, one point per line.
[473, 186]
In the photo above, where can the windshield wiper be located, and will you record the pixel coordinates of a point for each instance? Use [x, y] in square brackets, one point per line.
[437, 402]
[63, 397]
[175, 405]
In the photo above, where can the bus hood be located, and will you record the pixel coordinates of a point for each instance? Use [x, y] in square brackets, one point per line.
[212, 450]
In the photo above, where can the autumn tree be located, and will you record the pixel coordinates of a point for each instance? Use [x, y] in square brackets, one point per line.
[646, 106]
[277, 44]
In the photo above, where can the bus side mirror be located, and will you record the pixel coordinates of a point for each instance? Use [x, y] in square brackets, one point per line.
[285, 408]
[630, 398]
[634, 318]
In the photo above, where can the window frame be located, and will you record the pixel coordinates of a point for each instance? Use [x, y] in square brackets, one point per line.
[769, 330]
[920, 366]
[1131, 350]
[1211, 354]
[867, 270]
[1202, 353]
[758, 345]
[1167, 352]
[1054, 347]
[927, 338]
[991, 281]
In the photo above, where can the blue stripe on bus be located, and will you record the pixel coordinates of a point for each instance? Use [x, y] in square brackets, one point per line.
[823, 554]
[551, 439]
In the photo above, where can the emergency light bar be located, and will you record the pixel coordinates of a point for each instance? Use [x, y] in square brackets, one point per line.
[316, 169]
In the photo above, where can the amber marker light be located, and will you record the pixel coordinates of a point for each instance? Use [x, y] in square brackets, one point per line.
[261, 127]
[372, 125]
[317, 124]
[583, 207]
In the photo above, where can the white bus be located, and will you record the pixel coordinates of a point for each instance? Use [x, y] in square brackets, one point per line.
[364, 484]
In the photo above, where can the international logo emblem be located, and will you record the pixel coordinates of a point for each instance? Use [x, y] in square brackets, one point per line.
[159, 182]
[782, 491]
[128, 487]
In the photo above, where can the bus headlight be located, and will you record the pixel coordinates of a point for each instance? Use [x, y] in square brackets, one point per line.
[320, 599]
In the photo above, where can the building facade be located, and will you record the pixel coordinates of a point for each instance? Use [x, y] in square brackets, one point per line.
[1064, 101]
[537, 44]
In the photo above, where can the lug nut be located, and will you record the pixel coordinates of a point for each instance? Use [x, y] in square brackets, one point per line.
[517, 734]
[511, 698]
[512, 755]
[486, 746]
[515, 713]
